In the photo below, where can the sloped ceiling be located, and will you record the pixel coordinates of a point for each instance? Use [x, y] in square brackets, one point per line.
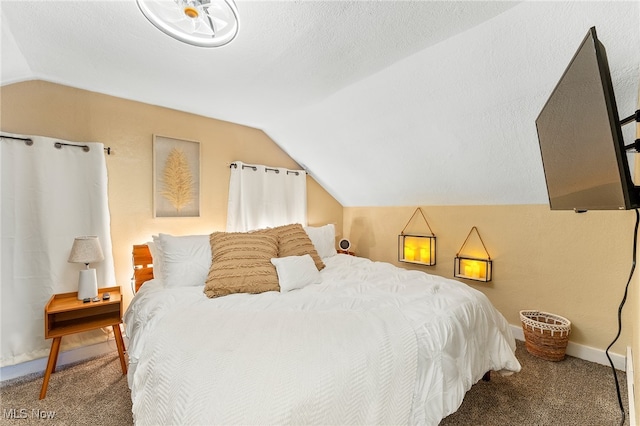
[383, 102]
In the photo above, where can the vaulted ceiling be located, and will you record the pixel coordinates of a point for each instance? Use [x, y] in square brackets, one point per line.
[383, 102]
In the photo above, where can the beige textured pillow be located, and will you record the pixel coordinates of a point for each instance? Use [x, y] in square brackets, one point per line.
[294, 241]
[242, 263]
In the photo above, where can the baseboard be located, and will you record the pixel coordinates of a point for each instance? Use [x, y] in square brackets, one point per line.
[583, 352]
[631, 388]
[64, 358]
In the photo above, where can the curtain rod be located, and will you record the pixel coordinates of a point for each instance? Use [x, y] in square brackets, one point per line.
[266, 169]
[58, 144]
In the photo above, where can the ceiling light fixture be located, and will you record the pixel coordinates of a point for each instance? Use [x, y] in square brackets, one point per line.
[203, 23]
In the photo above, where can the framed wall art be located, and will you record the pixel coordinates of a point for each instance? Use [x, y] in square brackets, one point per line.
[176, 177]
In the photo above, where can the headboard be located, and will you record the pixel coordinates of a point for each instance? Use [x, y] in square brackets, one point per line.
[142, 265]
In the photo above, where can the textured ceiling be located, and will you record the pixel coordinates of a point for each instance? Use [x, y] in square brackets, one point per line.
[384, 102]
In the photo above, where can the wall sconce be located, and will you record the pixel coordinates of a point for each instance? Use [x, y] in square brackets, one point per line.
[473, 268]
[417, 248]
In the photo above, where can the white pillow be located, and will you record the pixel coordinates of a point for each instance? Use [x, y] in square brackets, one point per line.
[156, 256]
[323, 239]
[296, 272]
[186, 260]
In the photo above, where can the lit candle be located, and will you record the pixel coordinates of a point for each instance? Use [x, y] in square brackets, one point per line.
[467, 270]
[476, 269]
[409, 253]
[473, 268]
[425, 256]
[483, 269]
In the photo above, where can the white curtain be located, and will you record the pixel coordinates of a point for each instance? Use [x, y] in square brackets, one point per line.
[262, 196]
[49, 197]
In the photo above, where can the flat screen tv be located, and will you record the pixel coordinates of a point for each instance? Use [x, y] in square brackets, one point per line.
[580, 136]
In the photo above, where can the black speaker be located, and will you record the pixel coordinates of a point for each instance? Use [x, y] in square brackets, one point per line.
[344, 244]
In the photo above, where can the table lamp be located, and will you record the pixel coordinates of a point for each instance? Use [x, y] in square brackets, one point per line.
[86, 250]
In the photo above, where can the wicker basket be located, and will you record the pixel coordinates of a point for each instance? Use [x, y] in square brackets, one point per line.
[546, 335]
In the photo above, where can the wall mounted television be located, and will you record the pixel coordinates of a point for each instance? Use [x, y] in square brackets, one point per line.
[580, 135]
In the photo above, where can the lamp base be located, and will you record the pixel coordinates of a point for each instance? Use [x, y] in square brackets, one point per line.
[87, 284]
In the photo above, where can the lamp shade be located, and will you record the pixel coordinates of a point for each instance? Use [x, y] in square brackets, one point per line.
[86, 250]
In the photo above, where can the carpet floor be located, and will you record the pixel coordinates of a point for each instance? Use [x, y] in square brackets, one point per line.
[572, 392]
[93, 392]
[565, 393]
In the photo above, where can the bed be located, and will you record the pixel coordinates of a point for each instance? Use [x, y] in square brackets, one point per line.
[343, 341]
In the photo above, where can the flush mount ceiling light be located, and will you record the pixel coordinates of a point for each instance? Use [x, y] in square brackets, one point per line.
[204, 23]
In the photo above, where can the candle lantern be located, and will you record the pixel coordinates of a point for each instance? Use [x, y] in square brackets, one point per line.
[473, 268]
[417, 248]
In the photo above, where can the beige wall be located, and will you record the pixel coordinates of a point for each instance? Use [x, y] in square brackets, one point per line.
[574, 265]
[41, 108]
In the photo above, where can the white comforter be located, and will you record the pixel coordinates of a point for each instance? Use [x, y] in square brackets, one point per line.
[371, 344]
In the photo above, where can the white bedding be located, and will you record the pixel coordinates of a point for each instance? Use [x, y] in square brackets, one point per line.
[371, 344]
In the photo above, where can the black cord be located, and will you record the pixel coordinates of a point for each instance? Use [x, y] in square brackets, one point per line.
[624, 299]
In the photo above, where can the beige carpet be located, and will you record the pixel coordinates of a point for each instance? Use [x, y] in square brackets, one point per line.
[94, 392]
[570, 392]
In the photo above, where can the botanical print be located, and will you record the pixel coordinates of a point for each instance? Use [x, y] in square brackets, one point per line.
[176, 177]
[177, 180]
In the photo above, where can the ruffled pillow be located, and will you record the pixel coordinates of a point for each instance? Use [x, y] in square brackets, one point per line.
[242, 263]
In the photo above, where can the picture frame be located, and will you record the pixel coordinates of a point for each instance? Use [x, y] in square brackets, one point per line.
[176, 177]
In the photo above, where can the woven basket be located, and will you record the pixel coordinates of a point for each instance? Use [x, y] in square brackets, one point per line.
[546, 335]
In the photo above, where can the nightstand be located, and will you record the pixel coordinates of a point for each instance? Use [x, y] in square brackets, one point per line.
[350, 253]
[64, 314]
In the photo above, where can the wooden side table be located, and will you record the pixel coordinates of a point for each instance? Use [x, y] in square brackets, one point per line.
[64, 314]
